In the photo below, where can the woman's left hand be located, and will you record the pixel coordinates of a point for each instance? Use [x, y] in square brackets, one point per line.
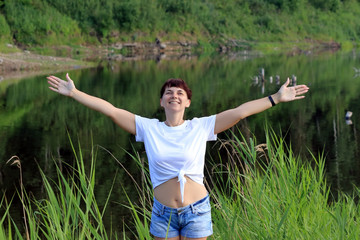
[287, 94]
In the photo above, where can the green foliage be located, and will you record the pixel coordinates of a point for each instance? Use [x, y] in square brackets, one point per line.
[68, 211]
[326, 5]
[35, 22]
[263, 191]
[177, 6]
[93, 16]
[4, 28]
[127, 14]
[52, 21]
[288, 5]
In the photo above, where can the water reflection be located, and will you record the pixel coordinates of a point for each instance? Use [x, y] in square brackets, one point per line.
[35, 123]
[348, 115]
[260, 80]
[344, 165]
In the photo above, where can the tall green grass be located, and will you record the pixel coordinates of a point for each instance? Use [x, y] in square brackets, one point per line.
[266, 192]
[69, 210]
[258, 191]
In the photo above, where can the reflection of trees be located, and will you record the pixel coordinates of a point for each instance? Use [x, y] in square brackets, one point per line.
[41, 119]
[343, 164]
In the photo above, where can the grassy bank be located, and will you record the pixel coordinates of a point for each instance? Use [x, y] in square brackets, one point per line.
[215, 22]
[260, 191]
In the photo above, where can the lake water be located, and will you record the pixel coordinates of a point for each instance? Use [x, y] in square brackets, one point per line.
[35, 123]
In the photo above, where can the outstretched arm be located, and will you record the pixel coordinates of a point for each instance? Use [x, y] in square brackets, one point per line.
[229, 118]
[123, 118]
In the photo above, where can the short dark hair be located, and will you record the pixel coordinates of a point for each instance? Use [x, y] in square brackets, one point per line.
[176, 82]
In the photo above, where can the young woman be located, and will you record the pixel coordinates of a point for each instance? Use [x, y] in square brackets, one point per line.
[175, 149]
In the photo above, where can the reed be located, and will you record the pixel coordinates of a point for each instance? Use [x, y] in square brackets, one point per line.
[15, 160]
[272, 194]
[68, 211]
[5, 232]
[258, 191]
[141, 210]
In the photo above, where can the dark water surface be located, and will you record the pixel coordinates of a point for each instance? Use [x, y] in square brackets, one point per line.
[35, 122]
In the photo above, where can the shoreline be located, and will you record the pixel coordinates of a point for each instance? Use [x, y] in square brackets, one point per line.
[25, 64]
[21, 63]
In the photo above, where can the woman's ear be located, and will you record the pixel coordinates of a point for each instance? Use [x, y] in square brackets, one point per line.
[188, 103]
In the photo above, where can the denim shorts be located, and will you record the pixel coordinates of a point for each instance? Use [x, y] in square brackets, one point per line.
[192, 221]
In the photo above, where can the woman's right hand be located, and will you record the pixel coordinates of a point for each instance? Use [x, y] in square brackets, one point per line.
[60, 86]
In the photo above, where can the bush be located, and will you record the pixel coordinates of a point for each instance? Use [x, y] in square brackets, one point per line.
[57, 21]
[4, 28]
[35, 22]
[326, 5]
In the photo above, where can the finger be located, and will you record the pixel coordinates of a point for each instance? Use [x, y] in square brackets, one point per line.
[50, 79]
[287, 82]
[54, 89]
[68, 77]
[301, 92]
[53, 84]
[54, 78]
[302, 87]
[299, 97]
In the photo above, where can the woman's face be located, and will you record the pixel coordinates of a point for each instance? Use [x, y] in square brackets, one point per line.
[175, 99]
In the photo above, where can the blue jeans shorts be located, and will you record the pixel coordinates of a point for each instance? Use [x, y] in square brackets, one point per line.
[192, 221]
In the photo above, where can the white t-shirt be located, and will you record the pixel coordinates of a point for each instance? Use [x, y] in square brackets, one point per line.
[175, 151]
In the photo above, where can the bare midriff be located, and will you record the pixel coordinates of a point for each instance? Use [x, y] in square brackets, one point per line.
[168, 193]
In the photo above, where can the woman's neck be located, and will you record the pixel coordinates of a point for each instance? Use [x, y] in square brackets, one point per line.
[174, 123]
[174, 119]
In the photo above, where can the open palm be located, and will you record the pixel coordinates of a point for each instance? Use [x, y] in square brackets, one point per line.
[61, 86]
[287, 94]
